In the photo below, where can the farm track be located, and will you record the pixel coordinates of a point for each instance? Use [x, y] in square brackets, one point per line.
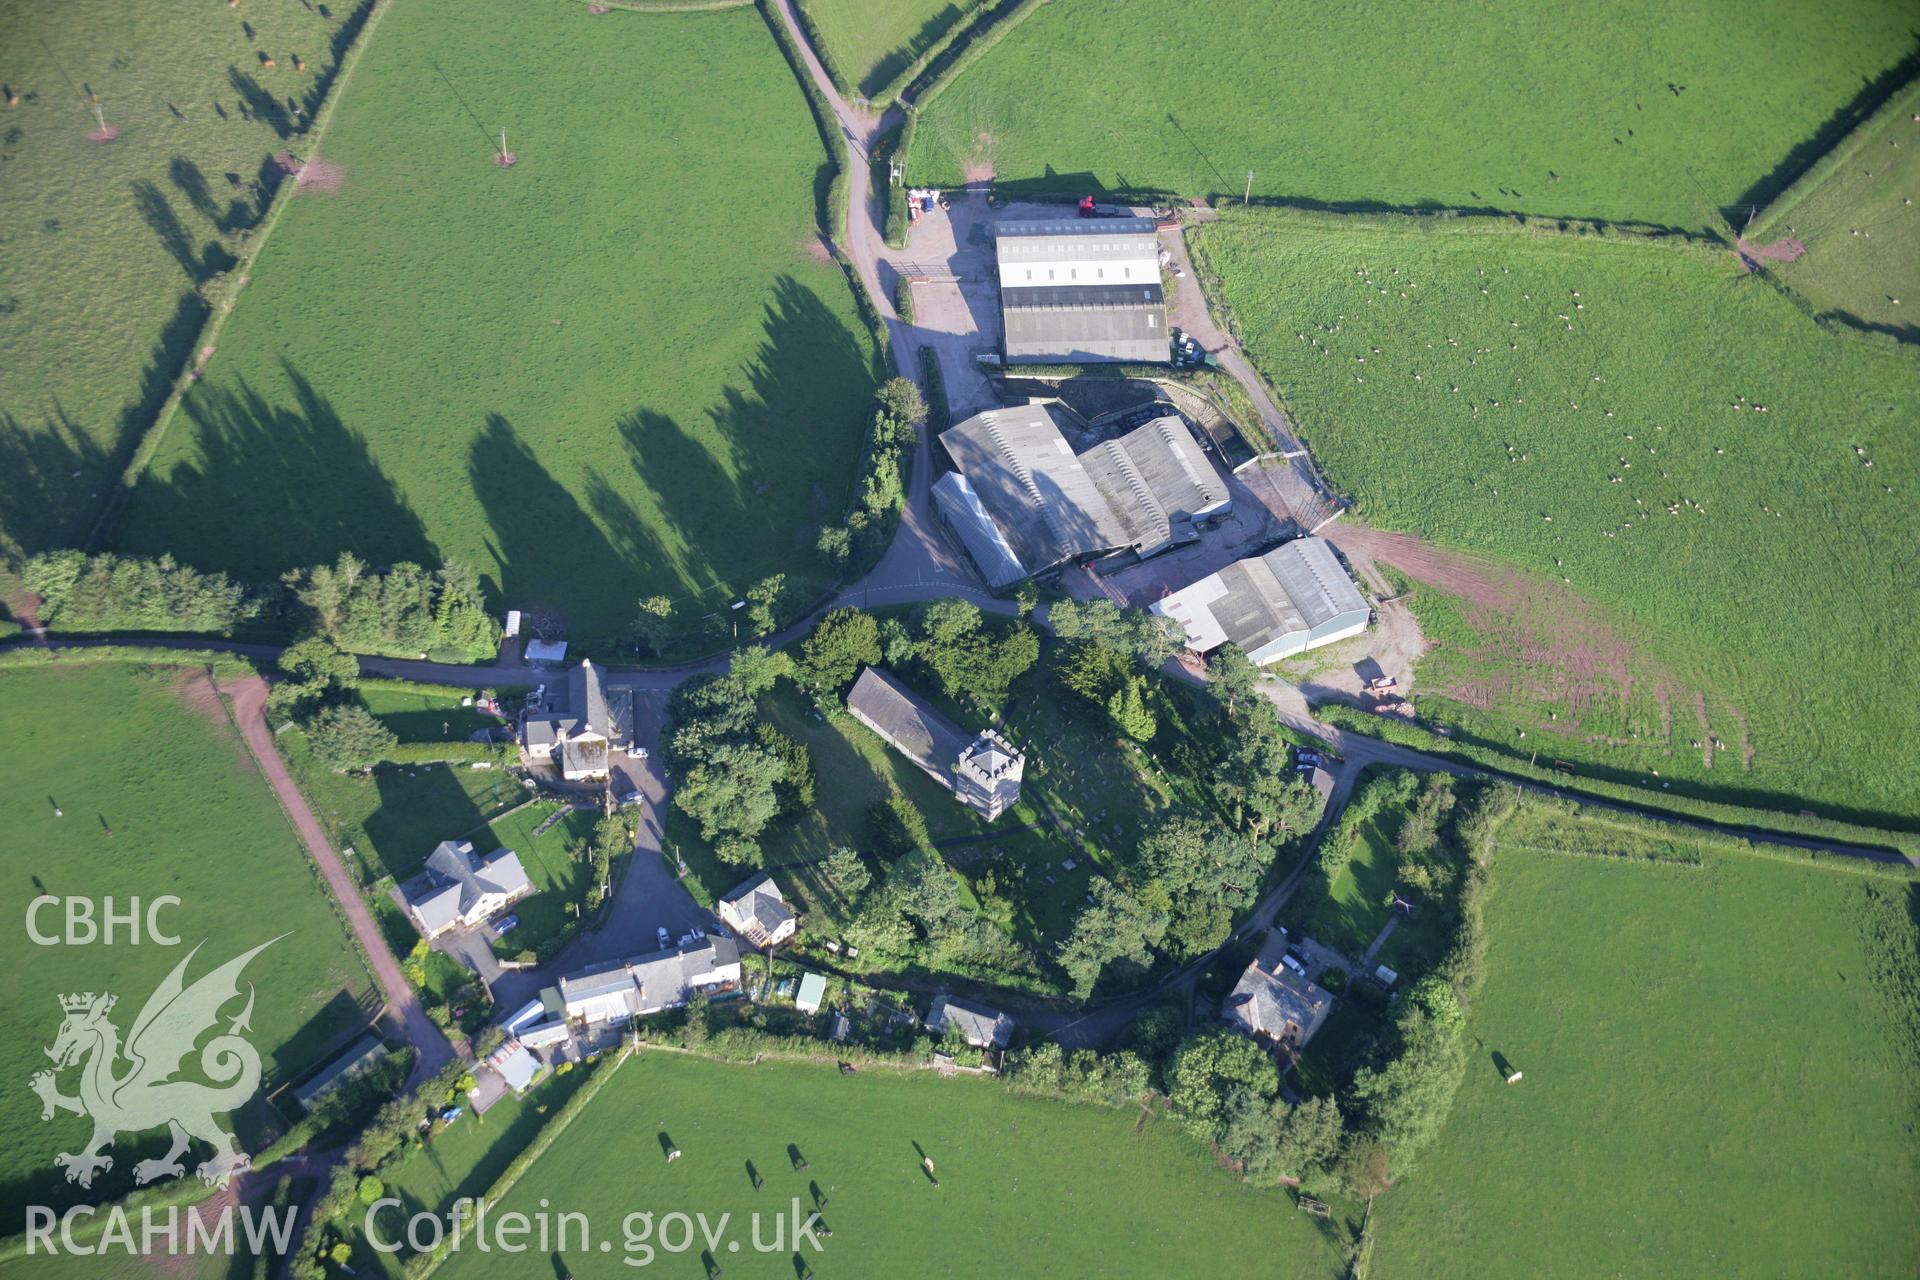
[431, 1048]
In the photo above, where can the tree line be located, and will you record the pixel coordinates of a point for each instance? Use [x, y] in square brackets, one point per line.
[403, 609]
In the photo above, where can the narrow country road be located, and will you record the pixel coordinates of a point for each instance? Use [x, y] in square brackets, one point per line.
[248, 699]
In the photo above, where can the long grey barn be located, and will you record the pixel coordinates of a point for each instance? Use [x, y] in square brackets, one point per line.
[1022, 501]
[1081, 291]
[1293, 598]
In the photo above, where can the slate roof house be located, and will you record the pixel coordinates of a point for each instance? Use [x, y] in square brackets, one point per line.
[1293, 598]
[1276, 1005]
[982, 770]
[617, 993]
[1081, 291]
[1022, 501]
[460, 889]
[759, 913]
[981, 1027]
[576, 725]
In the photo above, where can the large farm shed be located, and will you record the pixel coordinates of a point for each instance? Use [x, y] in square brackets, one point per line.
[1022, 501]
[1294, 598]
[1081, 291]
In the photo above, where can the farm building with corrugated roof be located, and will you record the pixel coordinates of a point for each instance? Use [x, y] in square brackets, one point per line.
[1022, 501]
[1081, 291]
[1294, 598]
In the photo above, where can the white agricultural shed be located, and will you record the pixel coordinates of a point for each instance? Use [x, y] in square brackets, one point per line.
[1082, 291]
[1294, 598]
[1022, 501]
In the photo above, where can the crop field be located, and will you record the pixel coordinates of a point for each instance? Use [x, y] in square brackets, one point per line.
[1668, 518]
[1858, 229]
[103, 244]
[1719, 1078]
[1051, 1185]
[872, 41]
[157, 796]
[622, 366]
[1636, 111]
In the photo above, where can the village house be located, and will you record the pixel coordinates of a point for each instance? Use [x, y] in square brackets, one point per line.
[758, 912]
[617, 993]
[577, 724]
[979, 1026]
[982, 771]
[460, 890]
[1275, 1005]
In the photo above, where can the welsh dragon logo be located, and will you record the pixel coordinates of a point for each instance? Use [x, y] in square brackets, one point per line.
[143, 1094]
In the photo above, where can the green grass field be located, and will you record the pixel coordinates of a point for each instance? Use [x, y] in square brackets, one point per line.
[1861, 228]
[560, 882]
[1464, 104]
[423, 713]
[102, 244]
[1714, 1082]
[1026, 1186]
[393, 817]
[872, 41]
[159, 797]
[622, 366]
[1729, 573]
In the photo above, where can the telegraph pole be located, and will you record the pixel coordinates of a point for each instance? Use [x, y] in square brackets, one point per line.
[1249, 196]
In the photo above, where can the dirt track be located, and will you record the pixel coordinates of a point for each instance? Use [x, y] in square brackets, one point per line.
[249, 701]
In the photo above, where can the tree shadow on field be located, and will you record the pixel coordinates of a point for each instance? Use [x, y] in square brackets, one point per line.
[42, 470]
[258, 104]
[192, 184]
[272, 487]
[157, 212]
[548, 552]
[731, 491]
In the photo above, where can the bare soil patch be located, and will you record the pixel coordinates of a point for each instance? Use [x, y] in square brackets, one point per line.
[980, 167]
[1785, 249]
[322, 177]
[1538, 641]
[816, 249]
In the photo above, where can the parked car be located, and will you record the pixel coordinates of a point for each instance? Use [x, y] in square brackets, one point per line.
[665, 938]
[1292, 962]
[505, 925]
[629, 799]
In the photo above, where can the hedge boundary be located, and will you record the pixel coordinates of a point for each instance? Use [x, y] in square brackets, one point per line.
[803, 14]
[1905, 100]
[1759, 821]
[24, 657]
[184, 381]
